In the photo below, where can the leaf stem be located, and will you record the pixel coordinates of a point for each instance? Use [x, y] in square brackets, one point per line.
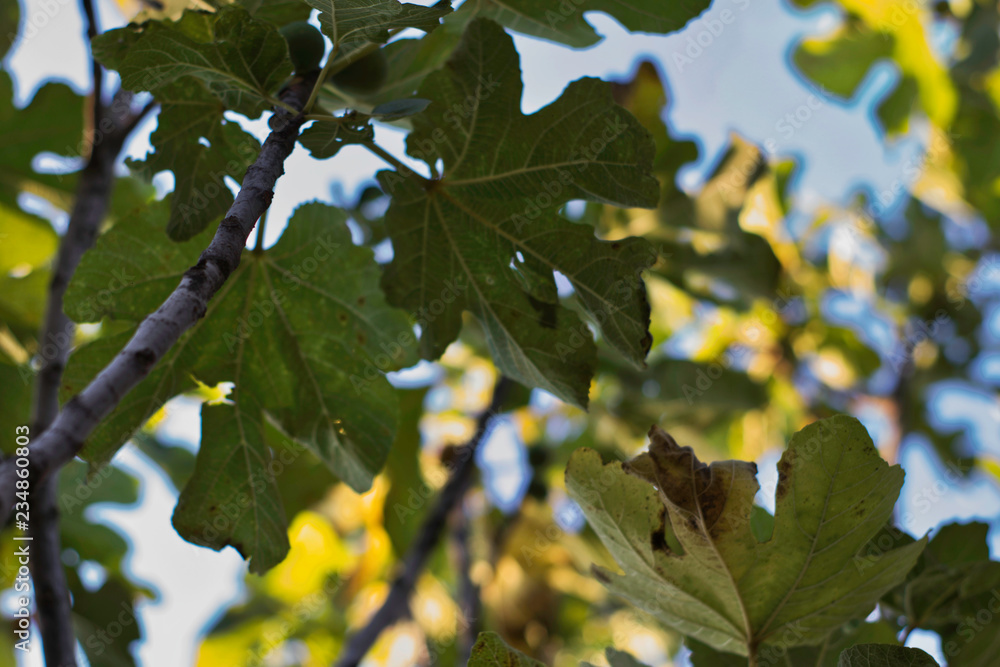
[61, 441]
[278, 103]
[327, 66]
[330, 67]
[397, 602]
[393, 160]
[323, 117]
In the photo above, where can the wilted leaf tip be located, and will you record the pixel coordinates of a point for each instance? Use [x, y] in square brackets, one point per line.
[684, 482]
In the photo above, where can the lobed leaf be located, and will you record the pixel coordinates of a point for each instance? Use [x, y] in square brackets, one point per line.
[491, 651]
[241, 60]
[883, 655]
[52, 122]
[346, 21]
[194, 141]
[487, 237]
[563, 20]
[198, 68]
[303, 332]
[681, 532]
[324, 139]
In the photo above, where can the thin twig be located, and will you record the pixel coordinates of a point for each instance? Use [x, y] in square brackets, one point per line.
[90, 19]
[468, 592]
[178, 313]
[333, 66]
[314, 93]
[394, 161]
[397, 602]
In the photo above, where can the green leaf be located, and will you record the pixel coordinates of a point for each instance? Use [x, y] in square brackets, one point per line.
[77, 492]
[840, 62]
[617, 659]
[703, 655]
[194, 141]
[952, 580]
[823, 655]
[491, 651]
[324, 139]
[396, 109]
[882, 655]
[28, 241]
[563, 20]
[52, 122]
[827, 653]
[304, 479]
[22, 300]
[242, 60]
[10, 20]
[371, 20]
[15, 397]
[278, 12]
[96, 614]
[408, 498]
[723, 586]
[303, 332]
[486, 237]
[232, 498]
[176, 461]
[197, 68]
[957, 544]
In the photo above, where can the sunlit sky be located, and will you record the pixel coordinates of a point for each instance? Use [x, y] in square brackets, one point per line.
[740, 82]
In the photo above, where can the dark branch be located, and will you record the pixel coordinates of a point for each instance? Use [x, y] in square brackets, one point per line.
[90, 20]
[397, 603]
[468, 592]
[181, 310]
[93, 194]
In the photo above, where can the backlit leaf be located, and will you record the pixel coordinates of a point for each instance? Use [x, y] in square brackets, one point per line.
[491, 651]
[883, 655]
[240, 59]
[371, 20]
[486, 236]
[302, 331]
[718, 582]
[563, 20]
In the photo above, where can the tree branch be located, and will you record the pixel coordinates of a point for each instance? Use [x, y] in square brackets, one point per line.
[93, 194]
[179, 312]
[397, 602]
[468, 592]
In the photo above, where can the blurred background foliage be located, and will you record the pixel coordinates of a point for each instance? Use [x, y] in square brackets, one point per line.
[757, 331]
